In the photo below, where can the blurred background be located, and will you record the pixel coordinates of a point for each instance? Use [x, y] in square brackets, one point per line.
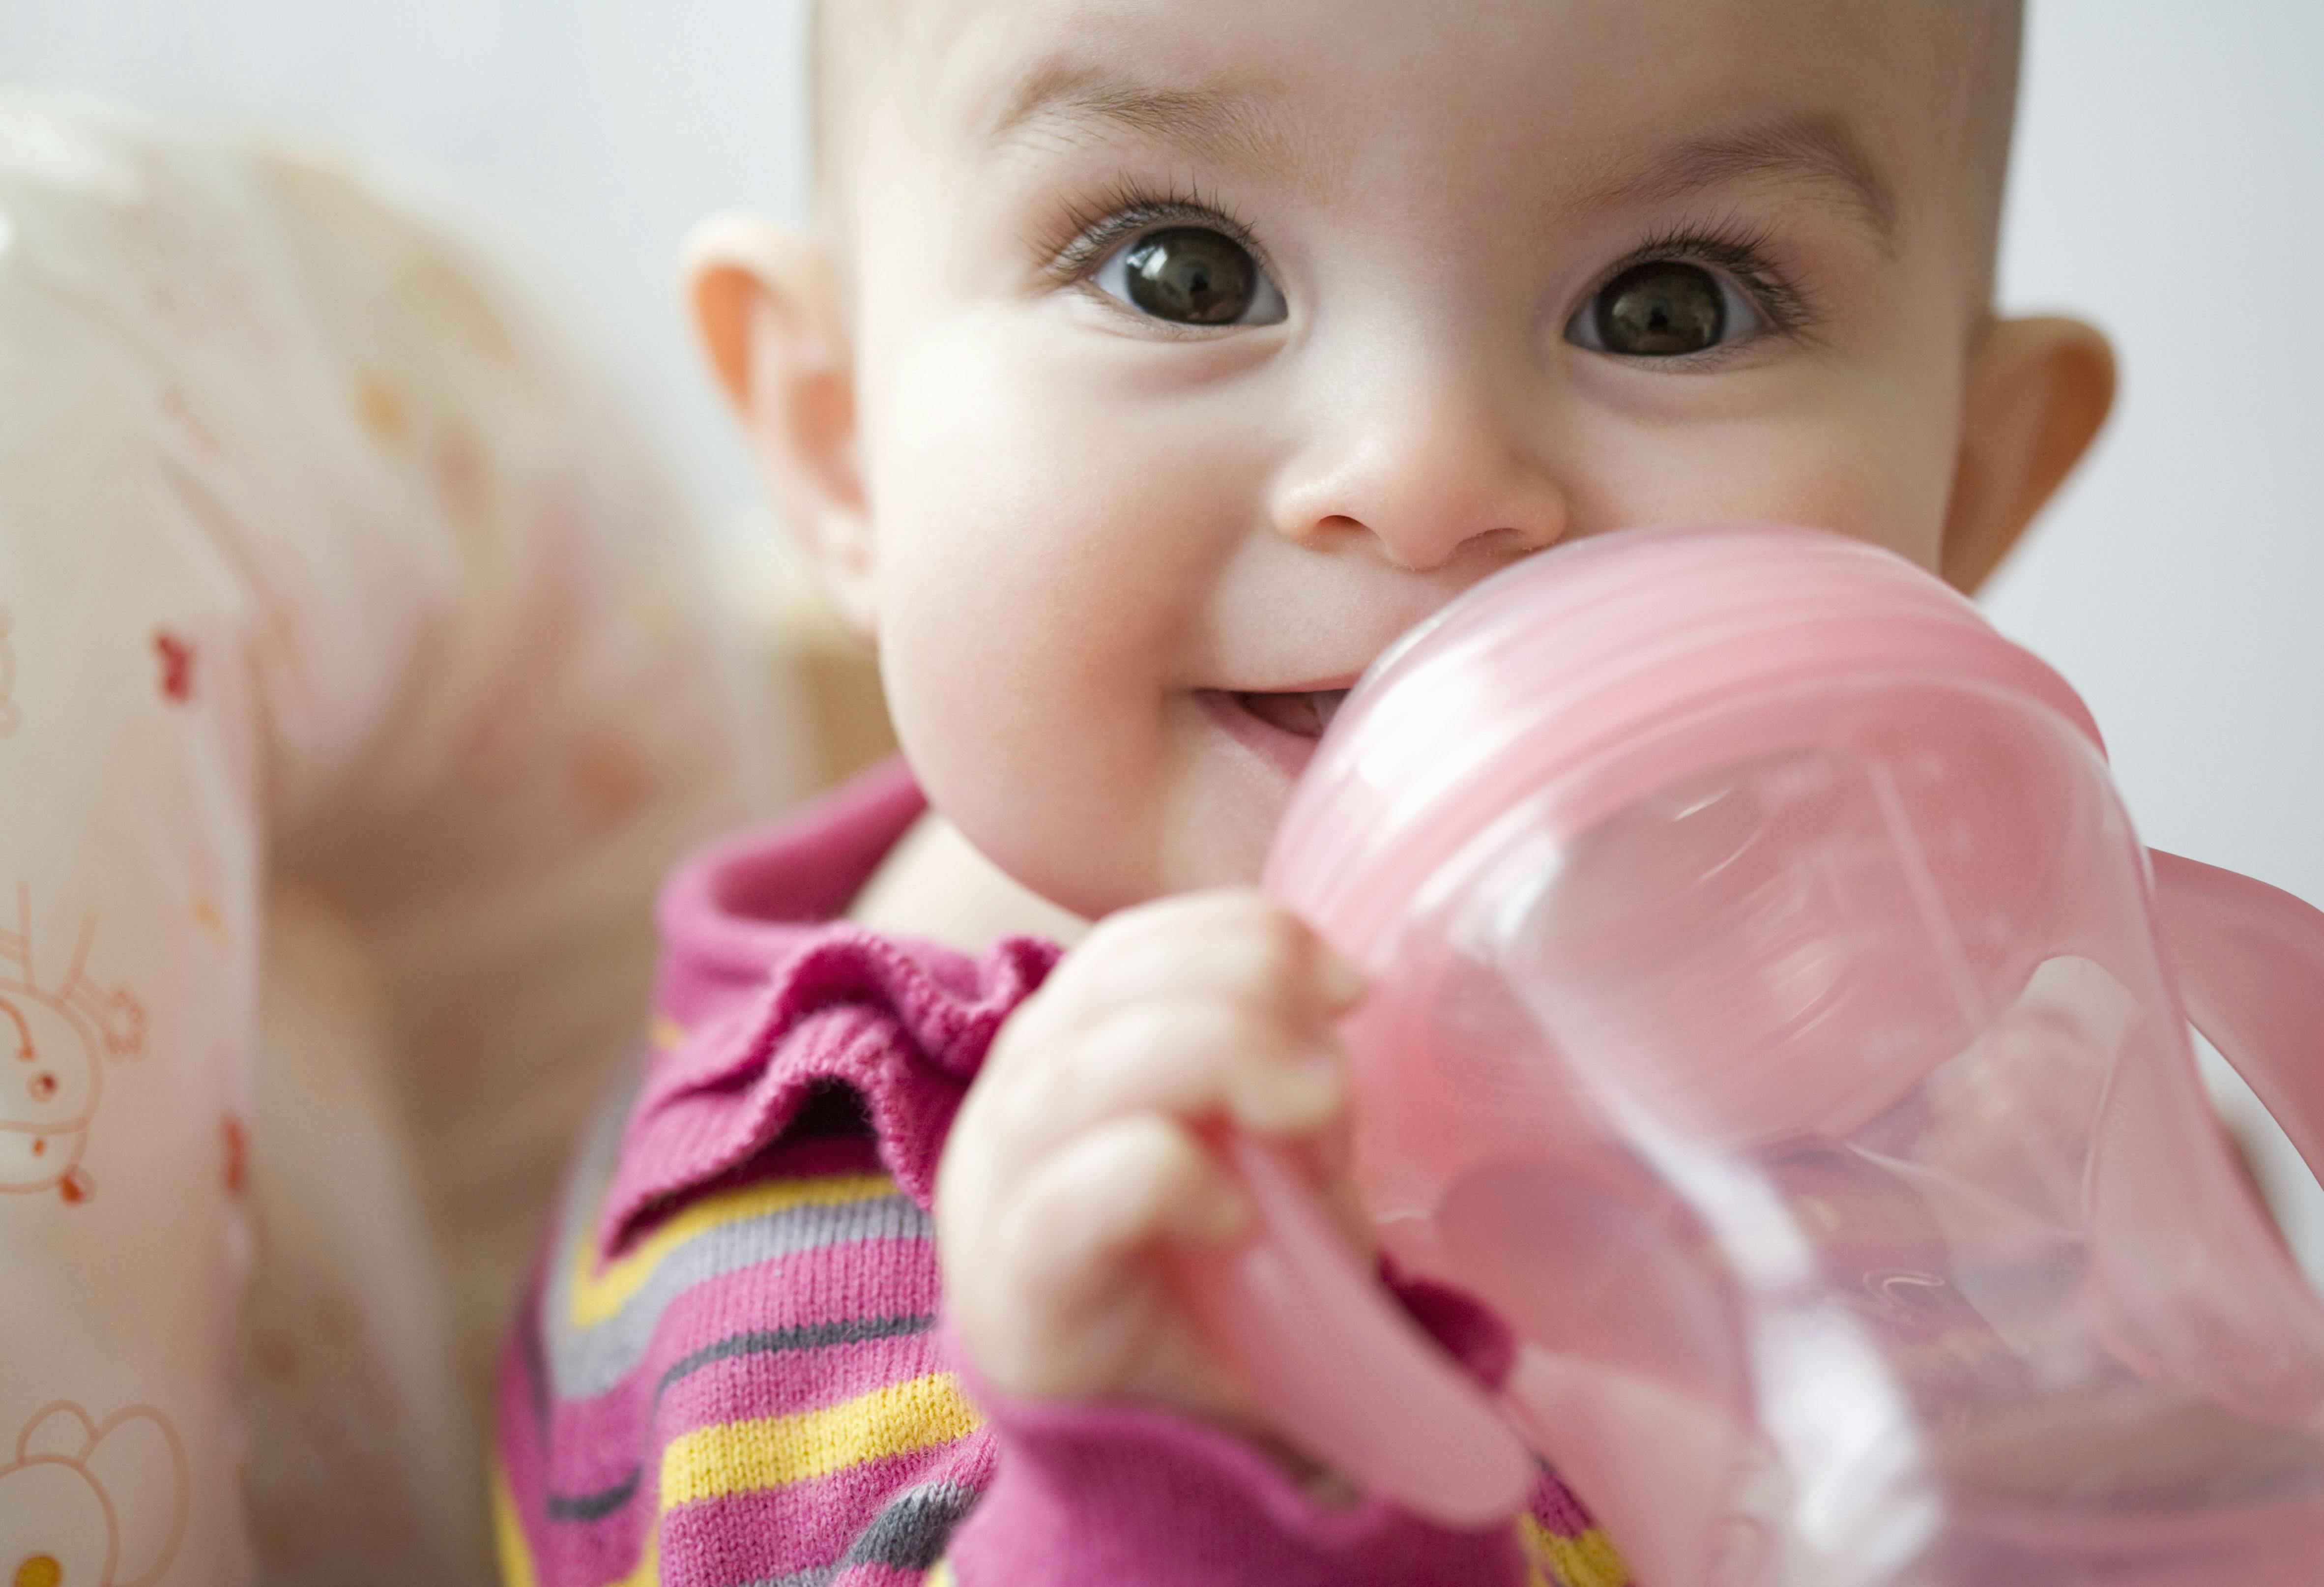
[2167, 185]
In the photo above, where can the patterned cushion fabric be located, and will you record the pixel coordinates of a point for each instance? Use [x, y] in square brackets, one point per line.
[356, 685]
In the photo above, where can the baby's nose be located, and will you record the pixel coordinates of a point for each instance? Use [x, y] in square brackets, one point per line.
[1429, 475]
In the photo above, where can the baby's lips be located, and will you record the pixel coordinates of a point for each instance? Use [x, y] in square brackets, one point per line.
[1328, 702]
[1302, 713]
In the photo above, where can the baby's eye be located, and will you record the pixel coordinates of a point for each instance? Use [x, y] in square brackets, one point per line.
[1190, 275]
[1664, 309]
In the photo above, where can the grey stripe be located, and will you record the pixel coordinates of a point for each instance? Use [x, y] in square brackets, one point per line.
[911, 1529]
[586, 1362]
[813, 1578]
[909, 1533]
[800, 1336]
[591, 1507]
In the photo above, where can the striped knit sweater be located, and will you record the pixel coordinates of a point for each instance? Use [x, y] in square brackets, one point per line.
[729, 1368]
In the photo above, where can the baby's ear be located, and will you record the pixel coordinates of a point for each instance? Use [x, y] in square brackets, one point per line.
[2036, 393]
[767, 308]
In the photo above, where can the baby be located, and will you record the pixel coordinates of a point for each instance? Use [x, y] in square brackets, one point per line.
[1153, 367]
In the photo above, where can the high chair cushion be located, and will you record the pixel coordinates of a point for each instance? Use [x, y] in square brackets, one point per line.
[356, 685]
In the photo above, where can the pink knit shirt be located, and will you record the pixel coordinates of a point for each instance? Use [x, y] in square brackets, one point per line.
[729, 1368]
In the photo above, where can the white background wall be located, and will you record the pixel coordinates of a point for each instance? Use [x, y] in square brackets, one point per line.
[2169, 184]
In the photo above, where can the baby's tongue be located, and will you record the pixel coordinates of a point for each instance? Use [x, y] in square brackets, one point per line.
[1306, 714]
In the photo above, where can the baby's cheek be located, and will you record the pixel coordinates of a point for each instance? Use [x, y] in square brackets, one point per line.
[1893, 497]
[1022, 693]
[1880, 473]
[1040, 568]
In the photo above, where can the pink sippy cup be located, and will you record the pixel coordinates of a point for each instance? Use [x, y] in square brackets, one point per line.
[1777, 1022]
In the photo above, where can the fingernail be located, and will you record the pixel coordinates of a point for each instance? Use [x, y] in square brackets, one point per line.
[1340, 978]
[1303, 1094]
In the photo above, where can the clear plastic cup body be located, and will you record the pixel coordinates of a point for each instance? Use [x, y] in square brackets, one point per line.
[1824, 1120]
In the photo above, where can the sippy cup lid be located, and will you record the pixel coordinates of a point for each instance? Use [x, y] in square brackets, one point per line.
[1544, 667]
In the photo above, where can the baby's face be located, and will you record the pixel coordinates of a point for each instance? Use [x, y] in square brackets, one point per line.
[1201, 350]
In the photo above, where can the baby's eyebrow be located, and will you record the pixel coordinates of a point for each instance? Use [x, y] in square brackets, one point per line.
[1065, 100]
[1816, 151]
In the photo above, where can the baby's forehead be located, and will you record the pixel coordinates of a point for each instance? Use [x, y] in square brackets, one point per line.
[1910, 44]
[1927, 86]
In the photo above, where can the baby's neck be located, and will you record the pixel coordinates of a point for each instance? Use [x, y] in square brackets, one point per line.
[934, 884]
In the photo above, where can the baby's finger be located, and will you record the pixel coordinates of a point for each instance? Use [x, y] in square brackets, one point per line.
[1239, 945]
[1192, 1058]
[1064, 1249]
[1113, 1191]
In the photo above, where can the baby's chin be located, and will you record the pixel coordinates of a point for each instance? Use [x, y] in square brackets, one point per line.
[1218, 828]
[1118, 880]
[1210, 840]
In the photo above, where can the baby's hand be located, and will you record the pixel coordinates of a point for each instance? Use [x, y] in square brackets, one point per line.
[1076, 1163]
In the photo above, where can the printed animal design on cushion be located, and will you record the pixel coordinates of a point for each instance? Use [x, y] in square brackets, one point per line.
[92, 1504]
[52, 1075]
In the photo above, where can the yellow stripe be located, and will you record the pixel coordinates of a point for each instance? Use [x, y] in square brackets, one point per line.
[768, 1451]
[939, 1576]
[598, 1296]
[508, 1533]
[666, 1034]
[1588, 1560]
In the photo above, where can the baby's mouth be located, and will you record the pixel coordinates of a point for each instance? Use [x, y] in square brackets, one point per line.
[1304, 712]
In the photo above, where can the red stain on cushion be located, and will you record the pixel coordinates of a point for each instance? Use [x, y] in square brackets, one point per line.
[237, 1154]
[177, 656]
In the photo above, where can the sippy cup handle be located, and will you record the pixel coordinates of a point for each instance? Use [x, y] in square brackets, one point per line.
[1334, 1364]
[2250, 959]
